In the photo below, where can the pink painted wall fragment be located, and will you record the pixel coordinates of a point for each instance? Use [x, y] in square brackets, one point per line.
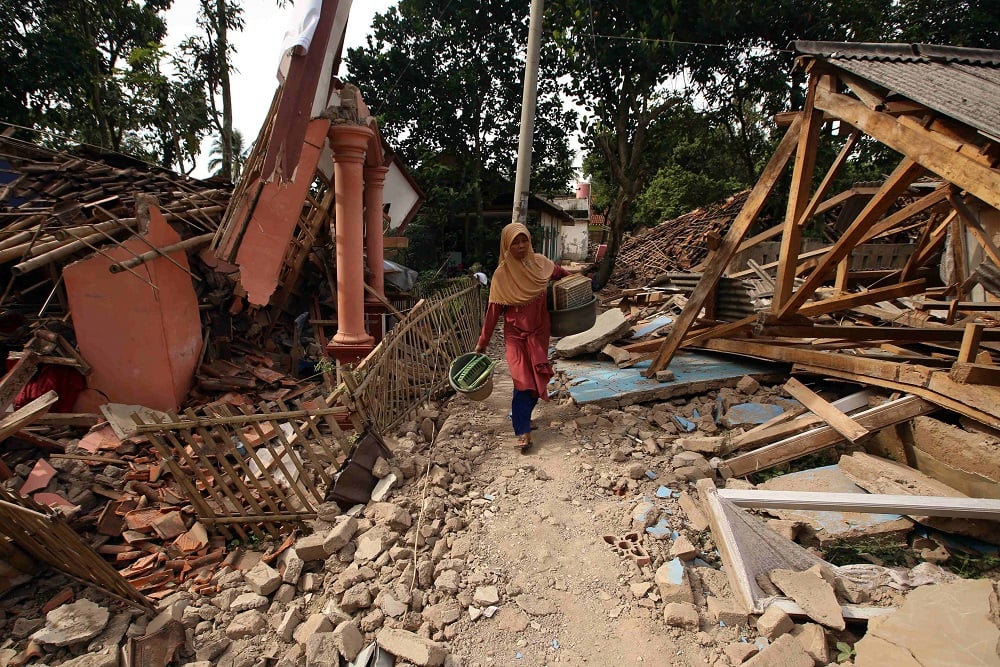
[269, 231]
[142, 342]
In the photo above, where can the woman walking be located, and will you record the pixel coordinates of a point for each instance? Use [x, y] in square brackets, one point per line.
[518, 294]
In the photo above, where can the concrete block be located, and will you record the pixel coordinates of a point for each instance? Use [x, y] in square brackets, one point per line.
[673, 582]
[786, 652]
[727, 611]
[774, 622]
[409, 646]
[681, 615]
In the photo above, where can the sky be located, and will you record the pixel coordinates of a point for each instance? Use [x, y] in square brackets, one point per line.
[258, 52]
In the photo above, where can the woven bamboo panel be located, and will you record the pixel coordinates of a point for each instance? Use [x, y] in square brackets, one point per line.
[44, 535]
[411, 363]
[251, 472]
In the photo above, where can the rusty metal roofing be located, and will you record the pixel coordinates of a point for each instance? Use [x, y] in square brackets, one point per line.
[960, 83]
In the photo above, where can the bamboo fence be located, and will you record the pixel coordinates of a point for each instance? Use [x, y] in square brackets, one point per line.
[42, 534]
[412, 362]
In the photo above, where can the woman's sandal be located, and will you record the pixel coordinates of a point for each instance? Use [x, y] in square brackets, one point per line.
[522, 442]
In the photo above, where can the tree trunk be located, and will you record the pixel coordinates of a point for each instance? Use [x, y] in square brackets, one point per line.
[222, 48]
[616, 224]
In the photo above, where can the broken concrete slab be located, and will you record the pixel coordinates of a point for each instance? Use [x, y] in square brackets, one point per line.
[601, 383]
[813, 640]
[774, 622]
[409, 646]
[609, 327]
[948, 624]
[827, 526]
[681, 615]
[786, 652]
[811, 592]
[73, 623]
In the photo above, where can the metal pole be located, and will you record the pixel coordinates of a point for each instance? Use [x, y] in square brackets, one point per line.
[522, 180]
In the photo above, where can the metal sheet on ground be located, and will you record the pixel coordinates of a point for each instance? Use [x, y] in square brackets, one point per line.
[602, 383]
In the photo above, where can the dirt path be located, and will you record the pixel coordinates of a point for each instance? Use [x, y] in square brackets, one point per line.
[565, 592]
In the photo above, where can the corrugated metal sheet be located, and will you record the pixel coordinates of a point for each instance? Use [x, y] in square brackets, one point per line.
[960, 83]
[967, 93]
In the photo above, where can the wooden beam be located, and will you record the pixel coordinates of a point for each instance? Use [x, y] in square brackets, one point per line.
[927, 245]
[798, 195]
[920, 145]
[781, 427]
[969, 373]
[15, 379]
[981, 403]
[27, 415]
[962, 508]
[737, 231]
[970, 342]
[865, 333]
[840, 422]
[898, 181]
[969, 218]
[886, 224]
[848, 301]
[821, 437]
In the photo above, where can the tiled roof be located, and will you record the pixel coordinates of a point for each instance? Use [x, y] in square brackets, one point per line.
[961, 83]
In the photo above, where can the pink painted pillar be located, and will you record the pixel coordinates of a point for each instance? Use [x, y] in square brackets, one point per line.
[374, 184]
[349, 143]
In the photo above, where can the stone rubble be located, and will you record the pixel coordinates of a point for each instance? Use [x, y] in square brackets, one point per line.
[406, 570]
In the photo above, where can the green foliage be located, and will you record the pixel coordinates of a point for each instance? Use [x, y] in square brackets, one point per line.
[974, 565]
[845, 651]
[239, 155]
[445, 81]
[853, 550]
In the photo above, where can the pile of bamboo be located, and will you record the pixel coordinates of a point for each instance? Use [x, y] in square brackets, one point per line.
[673, 245]
[55, 205]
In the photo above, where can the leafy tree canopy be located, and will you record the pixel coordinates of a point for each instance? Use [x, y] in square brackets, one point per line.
[445, 82]
[88, 71]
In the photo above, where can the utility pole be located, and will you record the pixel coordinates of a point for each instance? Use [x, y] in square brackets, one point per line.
[522, 181]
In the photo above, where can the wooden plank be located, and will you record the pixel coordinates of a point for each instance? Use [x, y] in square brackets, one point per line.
[740, 581]
[750, 549]
[867, 333]
[836, 419]
[970, 342]
[848, 301]
[798, 194]
[947, 506]
[737, 231]
[28, 414]
[776, 430]
[16, 378]
[875, 474]
[971, 373]
[819, 438]
[924, 146]
[894, 185]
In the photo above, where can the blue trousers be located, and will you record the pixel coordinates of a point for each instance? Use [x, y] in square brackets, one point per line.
[521, 407]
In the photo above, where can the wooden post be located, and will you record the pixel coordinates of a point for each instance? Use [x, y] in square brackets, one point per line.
[798, 197]
[898, 181]
[710, 278]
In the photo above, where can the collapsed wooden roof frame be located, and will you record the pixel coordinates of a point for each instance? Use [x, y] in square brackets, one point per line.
[962, 157]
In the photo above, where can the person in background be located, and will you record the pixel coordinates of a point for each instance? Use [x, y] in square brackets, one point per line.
[518, 293]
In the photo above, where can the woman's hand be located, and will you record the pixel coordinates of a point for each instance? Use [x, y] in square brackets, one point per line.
[480, 349]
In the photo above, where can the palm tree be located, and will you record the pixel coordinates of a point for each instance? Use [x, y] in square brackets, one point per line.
[240, 154]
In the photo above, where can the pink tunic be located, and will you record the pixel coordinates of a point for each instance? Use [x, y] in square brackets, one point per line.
[526, 331]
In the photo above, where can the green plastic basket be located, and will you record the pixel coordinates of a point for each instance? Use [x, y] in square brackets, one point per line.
[471, 374]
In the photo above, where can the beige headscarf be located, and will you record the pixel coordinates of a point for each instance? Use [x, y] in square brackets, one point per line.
[516, 283]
